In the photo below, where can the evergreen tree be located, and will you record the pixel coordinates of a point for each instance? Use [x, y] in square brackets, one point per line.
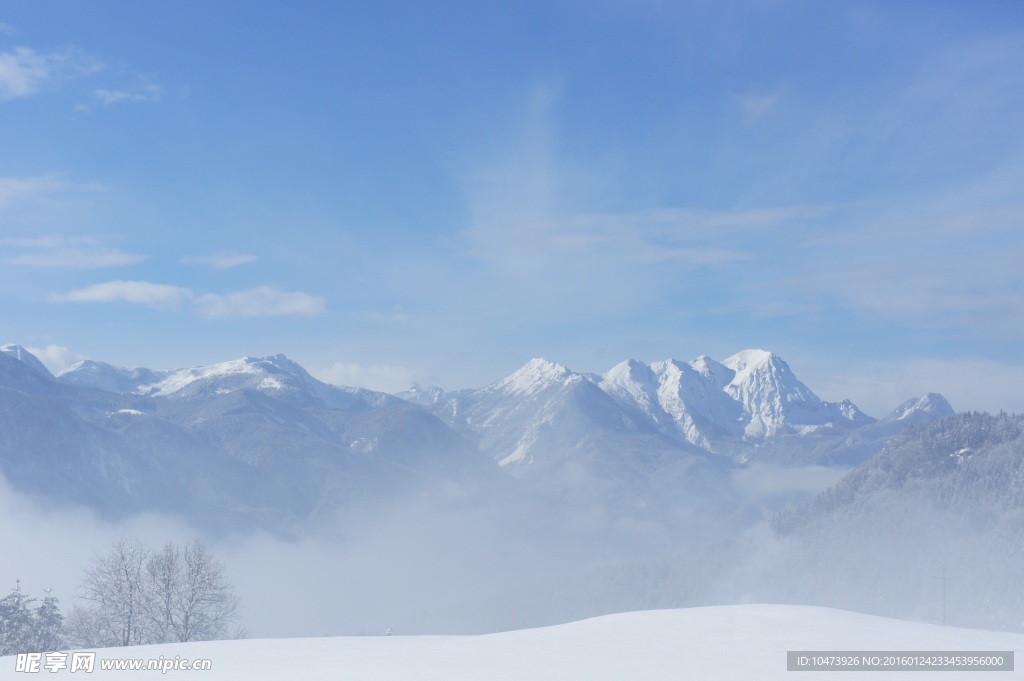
[49, 625]
[24, 629]
[16, 630]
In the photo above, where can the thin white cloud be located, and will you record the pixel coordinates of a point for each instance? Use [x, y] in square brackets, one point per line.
[40, 189]
[15, 189]
[541, 252]
[56, 358]
[758, 106]
[147, 93]
[951, 270]
[71, 253]
[262, 301]
[694, 238]
[382, 377]
[157, 296]
[6, 29]
[220, 261]
[25, 72]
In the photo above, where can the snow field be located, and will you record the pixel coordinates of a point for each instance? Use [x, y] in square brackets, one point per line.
[720, 643]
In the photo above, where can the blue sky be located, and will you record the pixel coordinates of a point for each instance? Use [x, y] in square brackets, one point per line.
[438, 192]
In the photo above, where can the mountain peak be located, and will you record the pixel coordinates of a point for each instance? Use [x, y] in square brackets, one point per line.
[630, 368]
[750, 359]
[236, 372]
[280, 362]
[93, 374]
[423, 396]
[635, 382]
[931, 406]
[534, 376]
[25, 357]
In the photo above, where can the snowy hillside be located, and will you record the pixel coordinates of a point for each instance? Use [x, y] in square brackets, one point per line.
[721, 643]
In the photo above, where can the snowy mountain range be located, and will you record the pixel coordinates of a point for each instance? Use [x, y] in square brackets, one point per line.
[733, 408]
[261, 440]
[557, 493]
[248, 442]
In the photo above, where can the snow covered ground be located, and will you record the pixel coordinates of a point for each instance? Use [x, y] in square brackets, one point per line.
[711, 643]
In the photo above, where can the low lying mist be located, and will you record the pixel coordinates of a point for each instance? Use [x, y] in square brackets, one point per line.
[420, 565]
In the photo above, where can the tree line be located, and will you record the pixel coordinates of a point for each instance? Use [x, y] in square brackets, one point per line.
[131, 595]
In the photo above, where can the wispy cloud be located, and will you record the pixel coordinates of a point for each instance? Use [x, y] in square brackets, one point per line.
[220, 261]
[157, 296]
[71, 253]
[383, 377]
[25, 72]
[580, 247]
[760, 105]
[761, 481]
[6, 29]
[937, 270]
[681, 236]
[56, 358]
[14, 189]
[530, 231]
[147, 93]
[261, 301]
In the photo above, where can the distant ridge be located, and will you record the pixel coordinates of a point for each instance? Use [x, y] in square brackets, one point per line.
[261, 439]
[732, 408]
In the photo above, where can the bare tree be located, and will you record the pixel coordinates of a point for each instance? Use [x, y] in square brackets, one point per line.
[139, 596]
[164, 572]
[114, 587]
[206, 601]
[83, 628]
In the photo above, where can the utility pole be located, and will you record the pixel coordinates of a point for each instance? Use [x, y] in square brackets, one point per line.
[944, 579]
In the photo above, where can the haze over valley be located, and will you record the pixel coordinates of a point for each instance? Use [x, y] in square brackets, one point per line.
[544, 497]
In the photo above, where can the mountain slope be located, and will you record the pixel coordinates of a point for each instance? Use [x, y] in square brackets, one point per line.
[730, 408]
[252, 441]
[260, 438]
[946, 494]
[748, 399]
[775, 402]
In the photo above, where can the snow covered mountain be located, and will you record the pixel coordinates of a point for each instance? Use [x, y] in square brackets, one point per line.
[25, 357]
[931, 407]
[542, 405]
[251, 441]
[941, 492]
[545, 411]
[276, 375]
[750, 397]
[567, 439]
[260, 438]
